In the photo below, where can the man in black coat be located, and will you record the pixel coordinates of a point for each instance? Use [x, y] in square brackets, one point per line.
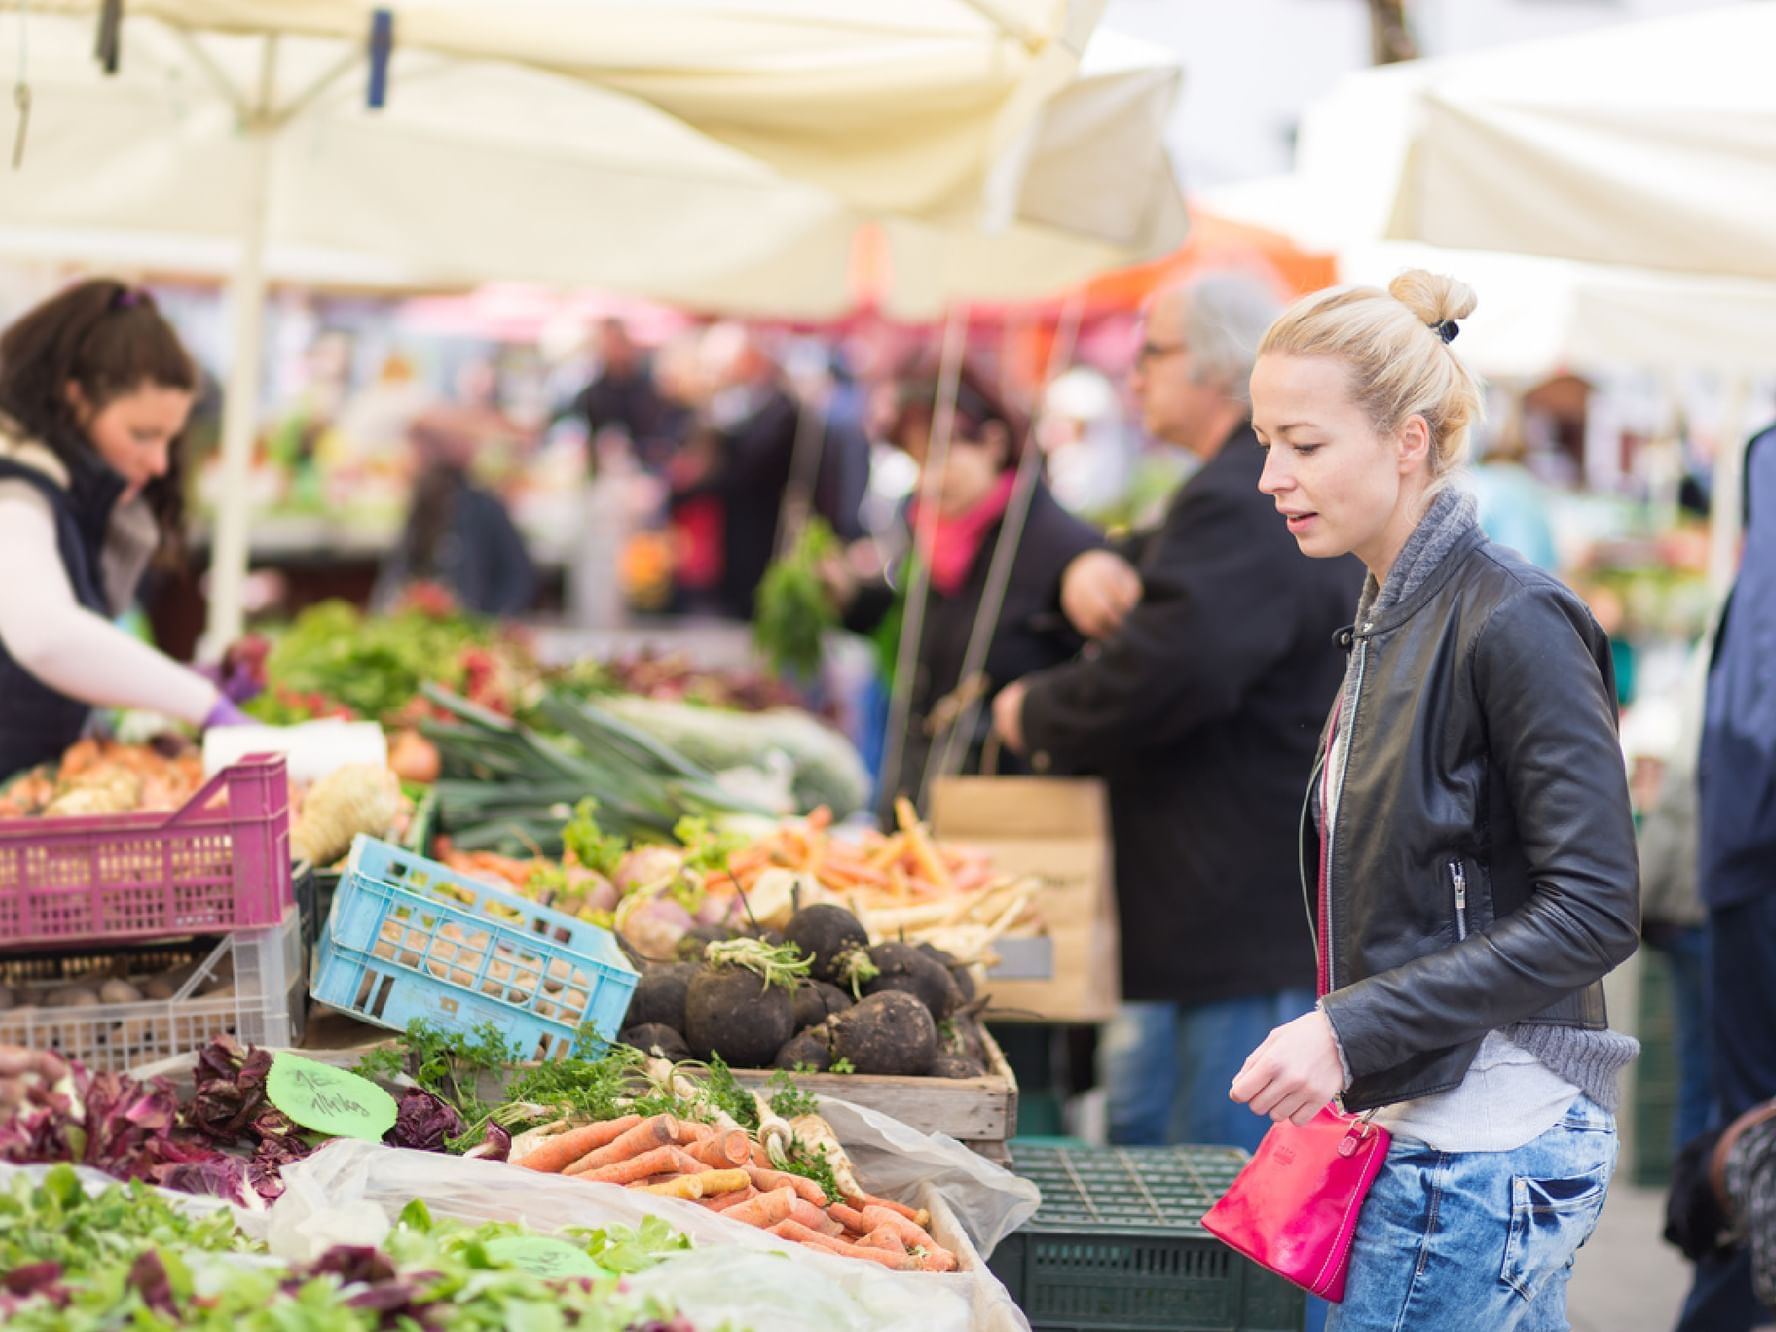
[1201, 706]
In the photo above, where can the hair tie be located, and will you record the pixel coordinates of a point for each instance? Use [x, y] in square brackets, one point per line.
[1446, 330]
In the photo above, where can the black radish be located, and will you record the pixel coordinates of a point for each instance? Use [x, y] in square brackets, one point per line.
[890, 1032]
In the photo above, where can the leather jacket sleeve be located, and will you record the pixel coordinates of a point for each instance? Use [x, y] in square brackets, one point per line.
[1540, 673]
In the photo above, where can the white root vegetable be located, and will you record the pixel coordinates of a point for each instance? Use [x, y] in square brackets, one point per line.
[818, 1135]
[528, 1141]
[774, 1132]
[358, 798]
[119, 992]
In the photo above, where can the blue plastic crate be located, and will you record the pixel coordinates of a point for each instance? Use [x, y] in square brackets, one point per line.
[409, 938]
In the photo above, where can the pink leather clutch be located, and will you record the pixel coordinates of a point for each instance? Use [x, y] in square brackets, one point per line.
[1294, 1207]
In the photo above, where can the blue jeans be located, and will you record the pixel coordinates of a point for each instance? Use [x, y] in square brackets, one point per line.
[1168, 1067]
[1686, 948]
[1478, 1239]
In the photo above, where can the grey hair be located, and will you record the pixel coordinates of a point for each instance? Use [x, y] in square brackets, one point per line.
[1223, 318]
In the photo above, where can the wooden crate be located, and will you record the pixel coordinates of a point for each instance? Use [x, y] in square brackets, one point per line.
[978, 1112]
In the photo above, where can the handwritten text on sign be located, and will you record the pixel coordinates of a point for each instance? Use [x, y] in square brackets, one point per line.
[329, 1100]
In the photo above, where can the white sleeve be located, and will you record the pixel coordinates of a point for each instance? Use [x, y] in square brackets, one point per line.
[65, 645]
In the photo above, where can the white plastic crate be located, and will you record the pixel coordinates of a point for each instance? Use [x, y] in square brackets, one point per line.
[266, 1005]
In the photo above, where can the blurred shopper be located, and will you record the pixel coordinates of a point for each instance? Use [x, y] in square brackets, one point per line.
[1514, 508]
[1737, 773]
[457, 535]
[1672, 917]
[694, 508]
[95, 392]
[623, 396]
[1475, 847]
[757, 417]
[1201, 706]
[972, 494]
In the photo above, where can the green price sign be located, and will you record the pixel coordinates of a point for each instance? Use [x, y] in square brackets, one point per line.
[329, 1100]
[542, 1256]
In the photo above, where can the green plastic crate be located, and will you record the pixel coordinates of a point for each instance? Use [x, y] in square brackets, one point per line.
[1118, 1243]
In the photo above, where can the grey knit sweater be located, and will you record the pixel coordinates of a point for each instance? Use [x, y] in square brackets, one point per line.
[1589, 1060]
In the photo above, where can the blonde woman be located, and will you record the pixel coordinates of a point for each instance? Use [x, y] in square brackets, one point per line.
[1468, 852]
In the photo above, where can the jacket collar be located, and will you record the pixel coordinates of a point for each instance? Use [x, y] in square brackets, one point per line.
[1448, 531]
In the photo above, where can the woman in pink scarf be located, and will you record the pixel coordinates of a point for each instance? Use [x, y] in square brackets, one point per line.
[971, 498]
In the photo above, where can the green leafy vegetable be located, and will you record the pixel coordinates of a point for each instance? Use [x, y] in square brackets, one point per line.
[793, 610]
[789, 1100]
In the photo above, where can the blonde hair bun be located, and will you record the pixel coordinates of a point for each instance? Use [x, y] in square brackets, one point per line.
[1433, 297]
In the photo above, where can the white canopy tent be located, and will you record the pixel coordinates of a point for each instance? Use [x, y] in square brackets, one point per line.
[1538, 316]
[605, 143]
[1651, 144]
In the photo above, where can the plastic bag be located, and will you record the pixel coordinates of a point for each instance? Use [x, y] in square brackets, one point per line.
[893, 1160]
[735, 1273]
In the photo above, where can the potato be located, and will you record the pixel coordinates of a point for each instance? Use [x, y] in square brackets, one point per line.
[158, 987]
[74, 996]
[383, 950]
[119, 992]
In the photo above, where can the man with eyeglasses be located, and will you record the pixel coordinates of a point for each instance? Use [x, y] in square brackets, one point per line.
[1201, 704]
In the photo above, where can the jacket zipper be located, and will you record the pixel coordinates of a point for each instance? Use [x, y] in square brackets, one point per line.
[1460, 876]
[1328, 980]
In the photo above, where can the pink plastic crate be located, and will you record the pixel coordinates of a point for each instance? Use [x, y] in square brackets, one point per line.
[220, 863]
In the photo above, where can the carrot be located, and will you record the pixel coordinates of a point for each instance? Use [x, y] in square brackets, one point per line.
[855, 871]
[849, 1217]
[863, 1202]
[643, 1137]
[553, 1155]
[690, 1131]
[883, 1239]
[660, 1161]
[723, 1181]
[814, 1218]
[886, 854]
[760, 1157]
[794, 1230]
[732, 1148]
[820, 818]
[913, 1236]
[688, 1187]
[764, 1211]
[805, 1189]
[722, 1201]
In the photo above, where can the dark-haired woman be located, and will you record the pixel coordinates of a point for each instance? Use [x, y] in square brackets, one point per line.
[95, 390]
[971, 498]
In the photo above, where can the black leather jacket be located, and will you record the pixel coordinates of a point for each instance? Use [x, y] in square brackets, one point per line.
[1482, 867]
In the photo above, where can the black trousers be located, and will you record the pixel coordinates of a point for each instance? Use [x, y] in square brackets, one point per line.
[1743, 987]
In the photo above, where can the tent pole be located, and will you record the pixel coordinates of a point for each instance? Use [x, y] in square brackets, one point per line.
[240, 411]
[949, 757]
[912, 624]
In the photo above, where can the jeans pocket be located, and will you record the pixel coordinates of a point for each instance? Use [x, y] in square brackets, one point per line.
[1550, 1219]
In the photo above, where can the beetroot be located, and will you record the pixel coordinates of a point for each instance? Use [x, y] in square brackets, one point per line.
[826, 934]
[903, 967]
[735, 1013]
[890, 1032]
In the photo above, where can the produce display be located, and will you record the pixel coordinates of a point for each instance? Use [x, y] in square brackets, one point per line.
[335, 661]
[98, 776]
[506, 786]
[684, 1130]
[124, 1256]
[672, 677]
[903, 887]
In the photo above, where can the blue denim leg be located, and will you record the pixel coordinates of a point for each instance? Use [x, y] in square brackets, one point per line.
[1136, 1065]
[1687, 950]
[1213, 1041]
[1478, 1239]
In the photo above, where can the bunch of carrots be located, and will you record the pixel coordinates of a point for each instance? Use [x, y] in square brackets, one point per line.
[727, 1172]
[910, 864]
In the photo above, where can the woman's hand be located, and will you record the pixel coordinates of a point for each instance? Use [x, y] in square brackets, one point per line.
[1295, 1072]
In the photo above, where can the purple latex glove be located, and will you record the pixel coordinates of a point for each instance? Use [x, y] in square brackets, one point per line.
[225, 713]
